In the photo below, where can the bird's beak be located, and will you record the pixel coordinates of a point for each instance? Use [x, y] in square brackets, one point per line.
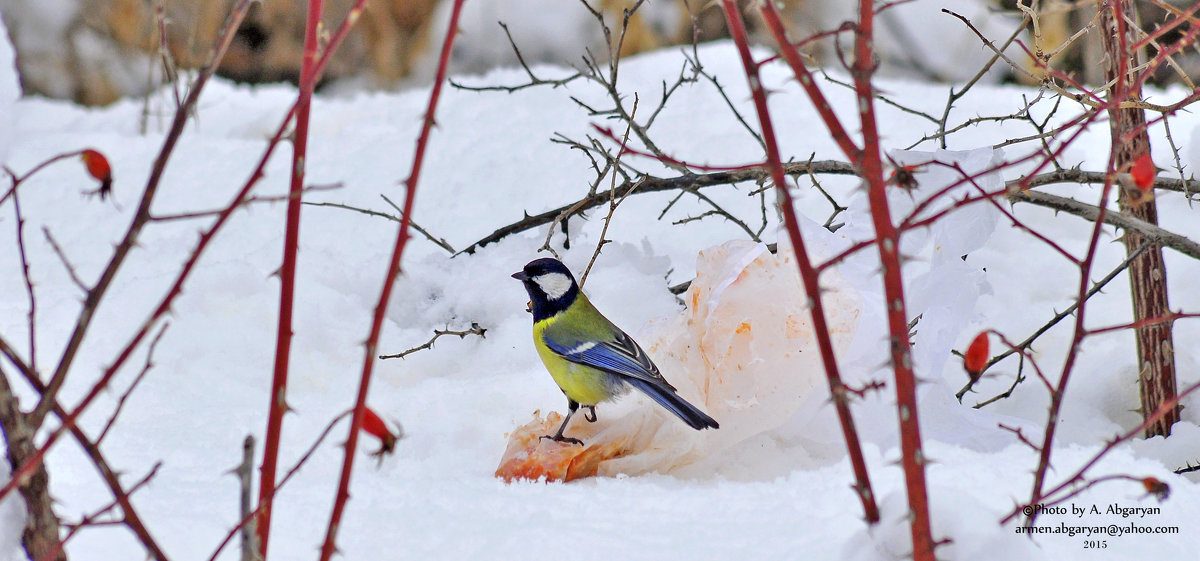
[521, 276]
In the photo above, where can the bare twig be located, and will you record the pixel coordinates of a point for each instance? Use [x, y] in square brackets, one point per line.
[112, 419]
[130, 517]
[613, 202]
[191, 215]
[440, 242]
[93, 518]
[534, 80]
[953, 96]
[32, 315]
[648, 184]
[475, 329]
[141, 217]
[62, 257]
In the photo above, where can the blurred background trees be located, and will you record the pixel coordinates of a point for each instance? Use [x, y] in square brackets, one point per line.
[96, 51]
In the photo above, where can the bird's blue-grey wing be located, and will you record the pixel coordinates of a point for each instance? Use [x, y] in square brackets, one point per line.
[619, 354]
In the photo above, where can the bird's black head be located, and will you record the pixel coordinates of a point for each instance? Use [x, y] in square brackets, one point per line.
[550, 285]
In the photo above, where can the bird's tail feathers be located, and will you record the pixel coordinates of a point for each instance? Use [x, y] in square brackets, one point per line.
[694, 417]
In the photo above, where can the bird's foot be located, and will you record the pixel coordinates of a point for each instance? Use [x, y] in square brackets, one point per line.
[561, 438]
[589, 413]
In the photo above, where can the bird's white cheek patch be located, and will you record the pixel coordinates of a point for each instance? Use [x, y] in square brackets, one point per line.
[555, 285]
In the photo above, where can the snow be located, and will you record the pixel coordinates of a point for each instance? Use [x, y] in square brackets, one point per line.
[781, 493]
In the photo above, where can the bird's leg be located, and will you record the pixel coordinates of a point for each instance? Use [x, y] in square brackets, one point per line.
[590, 413]
[572, 407]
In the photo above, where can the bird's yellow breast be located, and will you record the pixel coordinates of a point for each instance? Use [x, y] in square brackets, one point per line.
[582, 384]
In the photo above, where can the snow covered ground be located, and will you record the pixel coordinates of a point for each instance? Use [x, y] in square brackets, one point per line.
[782, 493]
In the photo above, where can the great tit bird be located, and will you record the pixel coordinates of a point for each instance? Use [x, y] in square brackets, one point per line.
[589, 358]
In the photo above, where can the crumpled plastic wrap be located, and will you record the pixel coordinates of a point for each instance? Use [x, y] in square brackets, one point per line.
[743, 350]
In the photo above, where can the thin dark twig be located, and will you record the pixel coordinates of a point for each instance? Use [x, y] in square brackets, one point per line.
[62, 257]
[534, 80]
[1020, 436]
[440, 242]
[613, 202]
[1020, 377]
[112, 419]
[18, 179]
[32, 315]
[717, 210]
[649, 184]
[191, 215]
[1177, 165]
[954, 96]
[881, 97]
[475, 329]
[729, 104]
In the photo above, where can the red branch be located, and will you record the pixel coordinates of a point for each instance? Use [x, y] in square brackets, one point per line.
[870, 166]
[287, 277]
[385, 293]
[1056, 396]
[808, 273]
